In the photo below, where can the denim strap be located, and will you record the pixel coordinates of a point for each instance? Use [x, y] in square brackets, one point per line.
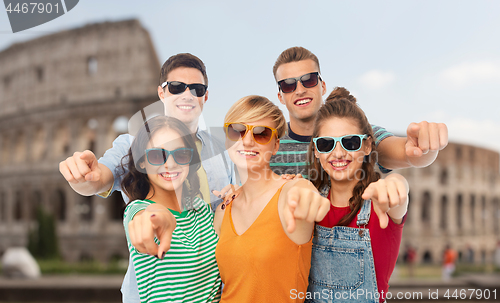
[364, 213]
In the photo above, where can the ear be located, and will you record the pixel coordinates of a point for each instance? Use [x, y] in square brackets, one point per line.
[323, 87]
[367, 146]
[280, 97]
[205, 98]
[316, 154]
[161, 93]
[276, 147]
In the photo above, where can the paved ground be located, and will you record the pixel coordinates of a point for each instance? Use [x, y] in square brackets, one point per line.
[100, 289]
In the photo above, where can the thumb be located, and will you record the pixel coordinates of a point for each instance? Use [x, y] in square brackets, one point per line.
[411, 146]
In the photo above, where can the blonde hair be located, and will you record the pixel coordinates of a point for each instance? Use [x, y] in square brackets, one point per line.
[254, 108]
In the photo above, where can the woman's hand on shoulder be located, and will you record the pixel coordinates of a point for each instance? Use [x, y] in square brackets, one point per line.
[389, 197]
[301, 207]
[155, 220]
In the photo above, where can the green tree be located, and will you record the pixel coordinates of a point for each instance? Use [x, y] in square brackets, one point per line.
[42, 240]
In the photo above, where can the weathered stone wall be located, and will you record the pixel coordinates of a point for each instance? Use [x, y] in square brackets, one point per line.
[60, 94]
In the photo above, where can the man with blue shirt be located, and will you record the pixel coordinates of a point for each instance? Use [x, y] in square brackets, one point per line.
[183, 92]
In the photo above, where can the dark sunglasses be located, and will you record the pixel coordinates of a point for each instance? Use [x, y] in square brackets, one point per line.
[261, 134]
[350, 143]
[158, 156]
[290, 84]
[176, 87]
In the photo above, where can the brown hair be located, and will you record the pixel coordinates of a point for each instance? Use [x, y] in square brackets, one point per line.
[294, 54]
[182, 60]
[253, 108]
[135, 183]
[341, 104]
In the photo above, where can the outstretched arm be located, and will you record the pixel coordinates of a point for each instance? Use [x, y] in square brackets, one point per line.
[419, 149]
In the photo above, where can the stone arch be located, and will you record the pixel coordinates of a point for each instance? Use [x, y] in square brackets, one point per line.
[62, 140]
[20, 147]
[459, 211]
[3, 207]
[443, 222]
[443, 177]
[116, 207]
[86, 209]
[427, 257]
[18, 206]
[426, 207]
[5, 150]
[35, 204]
[38, 147]
[59, 205]
[496, 215]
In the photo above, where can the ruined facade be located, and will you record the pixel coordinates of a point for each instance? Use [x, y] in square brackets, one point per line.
[67, 92]
[455, 201]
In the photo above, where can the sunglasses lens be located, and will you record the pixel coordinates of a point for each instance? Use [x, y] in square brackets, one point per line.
[309, 80]
[183, 155]
[288, 85]
[236, 131]
[176, 87]
[262, 134]
[325, 145]
[156, 156]
[351, 143]
[197, 90]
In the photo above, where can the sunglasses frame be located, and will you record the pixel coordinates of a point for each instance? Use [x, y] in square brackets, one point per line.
[250, 128]
[299, 79]
[339, 139]
[167, 83]
[168, 155]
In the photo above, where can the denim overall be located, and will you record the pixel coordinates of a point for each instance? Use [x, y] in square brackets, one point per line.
[342, 268]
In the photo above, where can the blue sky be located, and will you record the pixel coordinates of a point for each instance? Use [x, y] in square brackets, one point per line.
[405, 61]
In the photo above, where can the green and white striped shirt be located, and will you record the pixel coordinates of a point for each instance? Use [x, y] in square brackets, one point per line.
[188, 272]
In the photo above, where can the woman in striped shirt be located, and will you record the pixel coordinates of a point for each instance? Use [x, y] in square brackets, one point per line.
[163, 185]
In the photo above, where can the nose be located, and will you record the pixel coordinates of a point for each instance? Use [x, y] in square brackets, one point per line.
[248, 139]
[170, 162]
[300, 88]
[187, 94]
[338, 151]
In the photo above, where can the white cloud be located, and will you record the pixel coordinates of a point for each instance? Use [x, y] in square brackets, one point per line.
[376, 79]
[481, 133]
[469, 73]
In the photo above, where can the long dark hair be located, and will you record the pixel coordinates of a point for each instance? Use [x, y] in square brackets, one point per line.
[340, 104]
[135, 183]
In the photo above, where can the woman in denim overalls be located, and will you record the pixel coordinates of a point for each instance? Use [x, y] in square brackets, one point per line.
[342, 168]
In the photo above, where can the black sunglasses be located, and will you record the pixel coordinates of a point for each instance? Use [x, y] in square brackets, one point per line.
[177, 87]
[290, 84]
[350, 143]
[158, 156]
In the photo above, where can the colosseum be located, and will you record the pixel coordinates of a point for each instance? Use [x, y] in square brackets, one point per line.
[62, 93]
[76, 89]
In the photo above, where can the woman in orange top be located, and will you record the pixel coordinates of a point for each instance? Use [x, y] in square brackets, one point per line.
[264, 249]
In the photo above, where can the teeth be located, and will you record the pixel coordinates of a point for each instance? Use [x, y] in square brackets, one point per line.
[304, 101]
[247, 153]
[165, 175]
[339, 164]
[185, 107]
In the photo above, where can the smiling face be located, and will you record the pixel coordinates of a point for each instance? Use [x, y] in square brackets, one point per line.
[303, 103]
[339, 164]
[169, 176]
[184, 106]
[250, 155]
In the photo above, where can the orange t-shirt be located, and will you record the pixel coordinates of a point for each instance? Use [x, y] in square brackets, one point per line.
[262, 264]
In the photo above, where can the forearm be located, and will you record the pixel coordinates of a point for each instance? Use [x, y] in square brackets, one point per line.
[392, 155]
